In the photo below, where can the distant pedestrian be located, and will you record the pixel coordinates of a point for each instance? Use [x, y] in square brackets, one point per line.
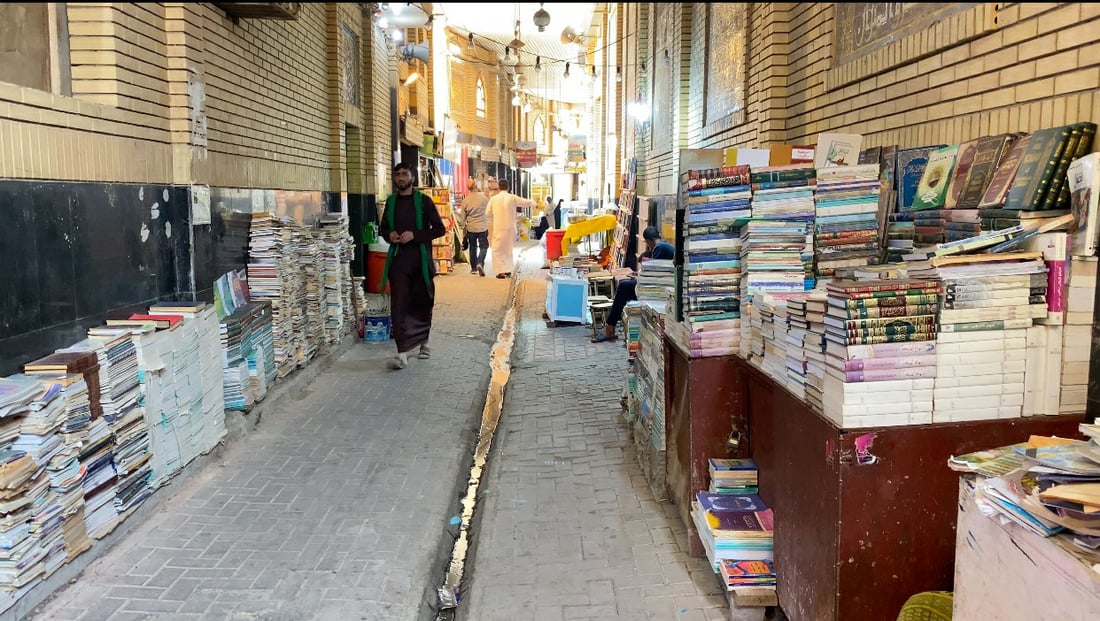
[502, 228]
[410, 223]
[477, 226]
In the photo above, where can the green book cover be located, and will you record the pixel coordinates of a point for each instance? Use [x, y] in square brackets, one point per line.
[1036, 168]
[932, 188]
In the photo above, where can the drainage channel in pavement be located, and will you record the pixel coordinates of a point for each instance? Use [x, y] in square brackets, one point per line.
[450, 594]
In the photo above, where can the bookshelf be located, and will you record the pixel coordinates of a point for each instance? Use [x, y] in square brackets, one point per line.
[624, 243]
[442, 247]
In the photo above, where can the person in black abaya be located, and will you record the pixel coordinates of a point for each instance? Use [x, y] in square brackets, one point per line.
[409, 223]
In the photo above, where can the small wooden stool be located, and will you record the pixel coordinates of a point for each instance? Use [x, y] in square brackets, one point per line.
[600, 311]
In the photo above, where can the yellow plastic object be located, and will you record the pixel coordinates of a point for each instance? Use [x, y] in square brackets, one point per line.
[577, 231]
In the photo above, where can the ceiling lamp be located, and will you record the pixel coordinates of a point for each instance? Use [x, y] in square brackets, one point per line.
[508, 59]
[619, 74]
[517, 43]
[569, 35]
[538, 63]
[566, 74]
[515, 100]
[527, 107]
[542, 18]
[470, 44]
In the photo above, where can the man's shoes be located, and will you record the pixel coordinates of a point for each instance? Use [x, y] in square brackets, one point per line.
[398, 362]
[501, 276]
[425, 352]
[473, 270]
[481, 271]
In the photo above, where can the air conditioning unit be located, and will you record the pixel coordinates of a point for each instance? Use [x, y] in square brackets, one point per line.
[261, 10]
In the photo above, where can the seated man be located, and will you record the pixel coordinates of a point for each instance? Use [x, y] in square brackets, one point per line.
[628, 287]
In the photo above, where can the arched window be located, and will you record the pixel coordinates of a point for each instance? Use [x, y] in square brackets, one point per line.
[540, 133]
[480, 102]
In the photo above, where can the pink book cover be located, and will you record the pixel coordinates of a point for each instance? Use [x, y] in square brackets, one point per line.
[1056, 286]
[900, 362]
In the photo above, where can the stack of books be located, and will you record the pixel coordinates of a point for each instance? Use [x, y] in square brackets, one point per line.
[205, 404]
[813, 348]
[880, 351]
[717, 204]
[651, 375]
[736, 574]
[736, 527]
[846, 229]
[270, 278]
[733, 476]
[100, 480]
[987, 304]
[311, 263]
[797, 334]
[336, 251]
[656, 277]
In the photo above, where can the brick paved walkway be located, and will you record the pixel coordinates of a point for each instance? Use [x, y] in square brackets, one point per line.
[569, 529]
[334, 508]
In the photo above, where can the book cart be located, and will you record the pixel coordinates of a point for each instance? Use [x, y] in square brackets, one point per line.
[864, 517]
[443, 247]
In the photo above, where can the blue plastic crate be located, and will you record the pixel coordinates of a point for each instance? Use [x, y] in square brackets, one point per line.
[376, 329]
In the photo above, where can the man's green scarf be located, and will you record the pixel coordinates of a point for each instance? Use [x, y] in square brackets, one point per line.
[424, 260]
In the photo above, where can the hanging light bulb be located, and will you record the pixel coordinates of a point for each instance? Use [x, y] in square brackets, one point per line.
[470, 45]
[619, 74]
[515, 100]
[566, 74]
[542, 18]
[538, 63]
[397, 35]
[593, 72]
[527, 106]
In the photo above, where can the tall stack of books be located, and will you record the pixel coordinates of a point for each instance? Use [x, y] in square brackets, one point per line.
[100, 480]
[124, 414]
[651, 375]
[207, 400]
[846, 228]
[22, 483]
[813, 348]
[632, 316]
[1080, 296]
[900, 236]
[717, 203]
[334, 241]
[158, 386]
[270, 279]
[880, 351]
[796, 336]
[987, 304]
[311, 261]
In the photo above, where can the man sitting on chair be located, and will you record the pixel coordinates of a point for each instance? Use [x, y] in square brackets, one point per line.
[627, 291]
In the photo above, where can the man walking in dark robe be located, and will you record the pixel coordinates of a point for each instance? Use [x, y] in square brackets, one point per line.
[409, 223]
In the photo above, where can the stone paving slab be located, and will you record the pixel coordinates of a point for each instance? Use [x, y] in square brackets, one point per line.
[334, 508]
[568, 528]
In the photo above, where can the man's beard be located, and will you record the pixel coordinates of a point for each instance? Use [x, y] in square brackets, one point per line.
[403, 184]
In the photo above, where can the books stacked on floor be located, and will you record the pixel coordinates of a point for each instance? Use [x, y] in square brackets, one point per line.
[733, 476]
[312, 270]
[158, 386]
[733, 526]
[246, 349]
[85, 363]
[100, 480]
[880, 351]
[846, 228]
[736, 574]
[21, 483]
[202, 405]
[336, 249]
[717, 203]
[269, 278]
[124, 414]
[632, 316]
[651, 375]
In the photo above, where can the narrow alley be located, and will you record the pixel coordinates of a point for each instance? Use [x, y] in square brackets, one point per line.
[342, 505]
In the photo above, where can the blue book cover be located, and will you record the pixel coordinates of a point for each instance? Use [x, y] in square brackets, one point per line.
[727, 503]
[910, 168]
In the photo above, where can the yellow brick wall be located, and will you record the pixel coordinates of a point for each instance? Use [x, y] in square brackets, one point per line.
[994, 68]
[464, 74]
[1026, 66]
[269, 90]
